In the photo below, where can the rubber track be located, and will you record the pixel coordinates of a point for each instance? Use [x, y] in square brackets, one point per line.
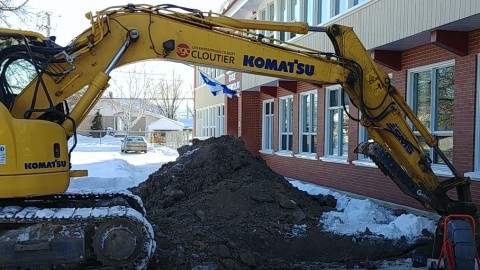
[82, 216]
[85, 197]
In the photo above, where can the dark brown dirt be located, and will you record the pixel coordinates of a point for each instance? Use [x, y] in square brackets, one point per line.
[219, 207]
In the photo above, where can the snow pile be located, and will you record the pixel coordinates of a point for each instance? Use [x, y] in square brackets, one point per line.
[356, 216]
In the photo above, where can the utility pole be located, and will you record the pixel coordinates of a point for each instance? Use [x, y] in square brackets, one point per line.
[49, 26]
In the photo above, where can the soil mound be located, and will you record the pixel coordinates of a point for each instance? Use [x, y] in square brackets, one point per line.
[219, 207]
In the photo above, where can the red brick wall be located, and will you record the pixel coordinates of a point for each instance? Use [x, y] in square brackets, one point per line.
[231, 116]
[370, 181]
[251, 120]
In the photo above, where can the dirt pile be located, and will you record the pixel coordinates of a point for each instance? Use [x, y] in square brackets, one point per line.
[219, 207]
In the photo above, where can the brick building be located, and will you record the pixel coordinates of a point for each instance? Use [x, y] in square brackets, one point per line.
[430, 49]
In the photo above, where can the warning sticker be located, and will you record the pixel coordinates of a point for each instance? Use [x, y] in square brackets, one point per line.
[374, 82]
[3, 155]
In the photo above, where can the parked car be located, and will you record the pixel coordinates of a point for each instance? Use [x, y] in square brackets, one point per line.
[134, 144]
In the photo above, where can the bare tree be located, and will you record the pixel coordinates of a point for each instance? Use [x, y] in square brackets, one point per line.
[167, 97]
[75, 97]
[18, 14]
[132, 85]
[189, 106]
[14, 8]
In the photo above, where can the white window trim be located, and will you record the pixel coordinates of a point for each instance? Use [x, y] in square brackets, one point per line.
[210, 121]
[364, 163]
[312, 156]
[333, 159]
[266, 152]
[475, 175]
[263, 125]
[300, 123]
[327, 157]
[431, 66]
[438, 169]
[283, 152]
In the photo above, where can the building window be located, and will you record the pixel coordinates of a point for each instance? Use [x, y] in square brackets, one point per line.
[313, 12]
[352, 3]
[220, 121]
[308, 123]
[477, 119]
[211, 121]
[294, 13]
[289, 12]
[363, 137]
[267, 125]
[282, 17]
[336, 136]
[262, 16]
[431, 96]
[271, 12]
[337, 7]
[285, 124]
[271, 17]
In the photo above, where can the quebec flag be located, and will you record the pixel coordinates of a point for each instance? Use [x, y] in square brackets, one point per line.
[216, 87]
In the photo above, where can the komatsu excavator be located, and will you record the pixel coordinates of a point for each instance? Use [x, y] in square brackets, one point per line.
[42, 225]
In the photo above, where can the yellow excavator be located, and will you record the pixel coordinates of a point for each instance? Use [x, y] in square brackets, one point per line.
[42, 225]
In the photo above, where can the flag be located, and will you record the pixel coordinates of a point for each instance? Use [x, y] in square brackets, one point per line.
[217, 87]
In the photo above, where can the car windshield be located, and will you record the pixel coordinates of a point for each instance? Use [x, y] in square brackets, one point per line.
[135, 139]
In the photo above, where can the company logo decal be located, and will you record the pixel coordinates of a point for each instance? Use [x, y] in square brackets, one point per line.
[208, 54]
[294, 66]
[45, 164]
[183, 50]
[405, 144]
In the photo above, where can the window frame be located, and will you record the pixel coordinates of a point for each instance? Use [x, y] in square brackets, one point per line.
[328, 128]
[289, 133]
[220, 120]
[316, 11]
[210, 121]
[287, 12]
[268, 145]
[477, 121]
[343, 6]
[438, 168]
[476, 156]
[313, 115]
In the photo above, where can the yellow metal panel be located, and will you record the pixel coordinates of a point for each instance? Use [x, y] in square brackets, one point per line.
[12, 186]
[31, 165]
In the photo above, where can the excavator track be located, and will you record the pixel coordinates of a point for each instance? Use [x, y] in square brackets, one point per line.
[61, 231]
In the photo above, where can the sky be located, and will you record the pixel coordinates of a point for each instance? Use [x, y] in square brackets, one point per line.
[68, 17]
[67, 20]
[110, 169]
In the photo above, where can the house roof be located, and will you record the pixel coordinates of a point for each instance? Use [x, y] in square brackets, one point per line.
[188, 123]
[106, 102]
[165, 124]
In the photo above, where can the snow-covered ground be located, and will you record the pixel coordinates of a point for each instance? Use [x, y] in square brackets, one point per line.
[109, 168]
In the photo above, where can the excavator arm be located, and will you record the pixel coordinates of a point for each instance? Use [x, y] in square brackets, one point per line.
[127, 34]
[123, 35]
